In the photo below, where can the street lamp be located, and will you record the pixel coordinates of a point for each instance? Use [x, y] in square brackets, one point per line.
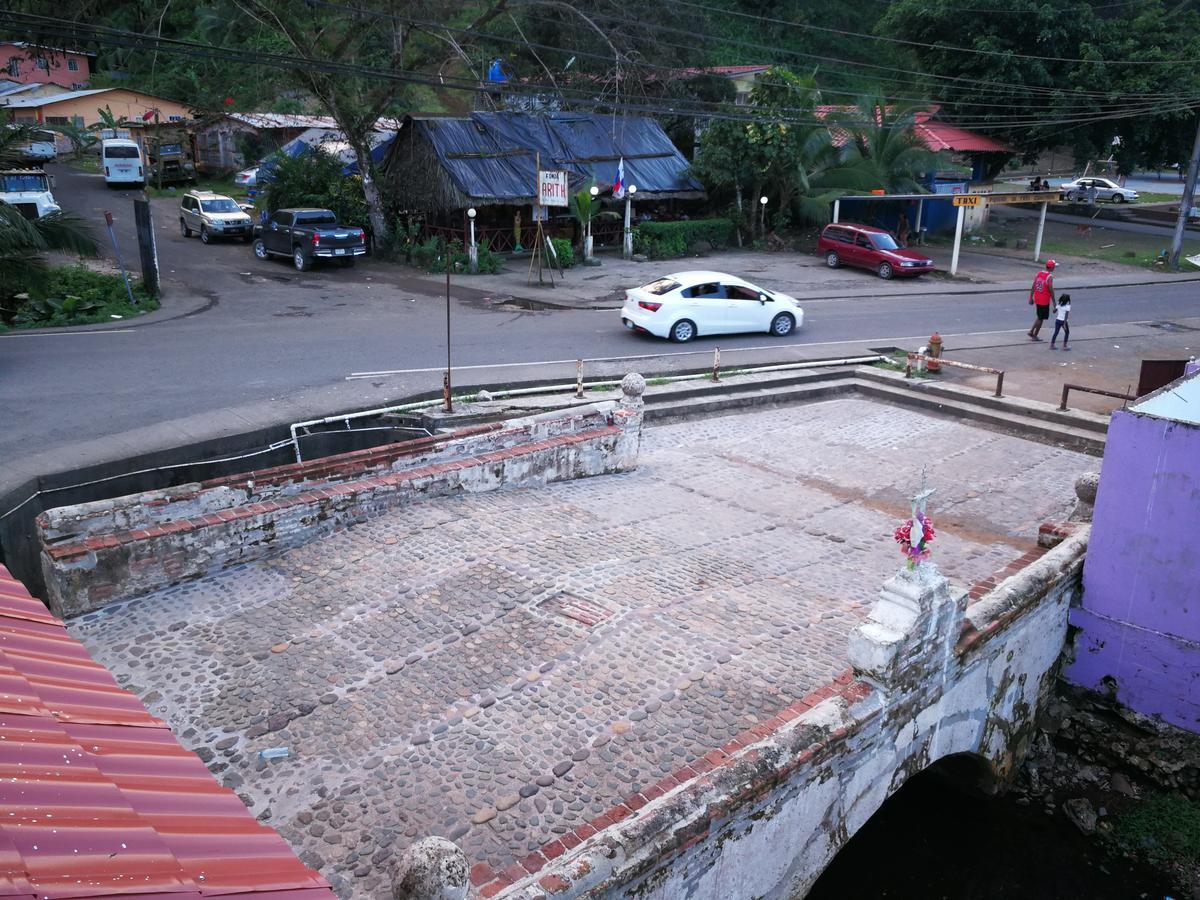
[627, 250]
[473, 252]
[762, 203]
[587, 238]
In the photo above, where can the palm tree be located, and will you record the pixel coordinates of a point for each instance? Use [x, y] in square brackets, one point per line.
[24, 243]
[884, 152]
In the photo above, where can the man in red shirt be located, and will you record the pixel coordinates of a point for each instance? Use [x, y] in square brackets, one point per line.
[1041, 296]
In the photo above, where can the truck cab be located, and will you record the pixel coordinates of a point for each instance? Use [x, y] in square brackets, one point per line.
[29, 191]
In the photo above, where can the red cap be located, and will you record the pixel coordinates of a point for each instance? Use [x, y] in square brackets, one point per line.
[1050, 264]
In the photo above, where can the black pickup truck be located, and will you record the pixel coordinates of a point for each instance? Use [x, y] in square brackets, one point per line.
[307, 235]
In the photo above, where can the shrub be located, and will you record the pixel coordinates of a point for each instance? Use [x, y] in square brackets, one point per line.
[564, 251]
[664, 240]
[315, 179]
[430, 255]
[75, 295]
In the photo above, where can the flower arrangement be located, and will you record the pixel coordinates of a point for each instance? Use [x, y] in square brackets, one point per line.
[915, 551]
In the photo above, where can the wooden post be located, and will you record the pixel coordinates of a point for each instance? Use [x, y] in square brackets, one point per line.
[958, 230]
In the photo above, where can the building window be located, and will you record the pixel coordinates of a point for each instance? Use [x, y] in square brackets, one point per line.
[57, 120]
[43, 63]
[14, 66]
[72, 65]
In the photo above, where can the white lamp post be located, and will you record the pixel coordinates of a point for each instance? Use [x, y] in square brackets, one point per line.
[587, 237]
[627, 251]
[473, 251]
[762, 224]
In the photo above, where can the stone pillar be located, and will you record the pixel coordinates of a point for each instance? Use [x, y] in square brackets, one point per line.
[1086, 486]
[431, 869]
[628, 417]
[911, 630]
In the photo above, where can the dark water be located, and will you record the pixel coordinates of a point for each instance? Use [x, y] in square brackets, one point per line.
[937, 839]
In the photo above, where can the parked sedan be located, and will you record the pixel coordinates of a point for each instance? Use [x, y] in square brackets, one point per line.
[687, 304]
[1080, 189]
[865, 247]
[247, 178]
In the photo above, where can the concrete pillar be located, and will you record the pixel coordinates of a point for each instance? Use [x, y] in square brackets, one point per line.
[628, 417]
[431, 869]
[958, 230]
[911, 630]
[837, 210]
[1037, 244]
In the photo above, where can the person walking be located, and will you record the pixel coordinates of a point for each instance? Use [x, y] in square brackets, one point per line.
[1062, 312]
[1041, 297]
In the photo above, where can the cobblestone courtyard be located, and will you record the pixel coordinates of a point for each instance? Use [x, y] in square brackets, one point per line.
[500, 668]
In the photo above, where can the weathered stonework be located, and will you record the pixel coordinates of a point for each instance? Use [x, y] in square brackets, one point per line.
[97, 553]
[763, 816]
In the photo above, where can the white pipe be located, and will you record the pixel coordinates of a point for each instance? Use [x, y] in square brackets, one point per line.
[920, 213]
[837, 210]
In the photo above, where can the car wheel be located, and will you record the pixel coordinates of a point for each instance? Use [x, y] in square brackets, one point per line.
[260, 249]
[885, 270]
[300, 261]
[832, 260]
[782, 325]
[183, 229]
[683, 331]
[1118, 198]
[204, 239]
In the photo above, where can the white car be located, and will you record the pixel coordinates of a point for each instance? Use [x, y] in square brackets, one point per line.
[247, 177]
[687, 304]
[1105, 190]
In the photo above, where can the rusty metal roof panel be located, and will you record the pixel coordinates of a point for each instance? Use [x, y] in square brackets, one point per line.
[99, 800]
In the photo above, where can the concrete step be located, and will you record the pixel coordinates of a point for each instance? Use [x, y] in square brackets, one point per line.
[716, 400]
[1036, 409]
[1074, 437]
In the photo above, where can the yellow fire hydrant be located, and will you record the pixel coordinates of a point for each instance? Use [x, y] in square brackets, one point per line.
[935, 350]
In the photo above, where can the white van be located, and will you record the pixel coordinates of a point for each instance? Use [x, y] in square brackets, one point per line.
[122, 162]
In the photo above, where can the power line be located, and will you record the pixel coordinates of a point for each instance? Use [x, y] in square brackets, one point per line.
[942, 47]
[132, 40]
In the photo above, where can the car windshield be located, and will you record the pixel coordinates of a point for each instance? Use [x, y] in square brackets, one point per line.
[884, 242]
[220, 206]
[661, 286]
[13, 183]
[121, 152]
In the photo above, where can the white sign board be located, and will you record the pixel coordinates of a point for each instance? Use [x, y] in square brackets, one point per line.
[552, 188]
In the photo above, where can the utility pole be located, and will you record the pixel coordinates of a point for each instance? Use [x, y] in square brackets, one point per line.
[1189, 198]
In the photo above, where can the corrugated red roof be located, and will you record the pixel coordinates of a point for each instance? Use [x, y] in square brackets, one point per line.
[936, 136]
[98, 799]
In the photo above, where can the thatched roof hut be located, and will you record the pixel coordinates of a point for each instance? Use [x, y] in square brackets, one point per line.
[441, 165]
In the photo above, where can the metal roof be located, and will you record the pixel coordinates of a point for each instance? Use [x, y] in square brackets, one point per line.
[490, 156]
[283, 120]
[33, 102]
[100, 800]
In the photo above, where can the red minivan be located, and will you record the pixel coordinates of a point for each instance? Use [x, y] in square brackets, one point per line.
[865, 247]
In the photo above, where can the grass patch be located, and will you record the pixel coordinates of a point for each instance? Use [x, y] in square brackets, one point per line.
[1164, 828]
[75, 295]
[224, 186]
[607, 386]
[657, 382]
[1154, 197]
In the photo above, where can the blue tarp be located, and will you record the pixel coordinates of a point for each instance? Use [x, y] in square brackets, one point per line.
[490, 156]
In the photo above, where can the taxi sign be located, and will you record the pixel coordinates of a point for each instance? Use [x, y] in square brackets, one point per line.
[968, 199]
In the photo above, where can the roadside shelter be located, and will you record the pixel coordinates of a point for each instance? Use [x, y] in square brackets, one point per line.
[439, 166]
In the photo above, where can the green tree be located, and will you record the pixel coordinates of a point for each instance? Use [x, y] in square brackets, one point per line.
[884, 152]
[1019, 43]
[316, 179]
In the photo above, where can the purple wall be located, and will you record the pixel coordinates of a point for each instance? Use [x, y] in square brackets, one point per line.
[1140, 619]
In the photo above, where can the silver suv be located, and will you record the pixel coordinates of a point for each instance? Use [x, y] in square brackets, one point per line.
[214, 216]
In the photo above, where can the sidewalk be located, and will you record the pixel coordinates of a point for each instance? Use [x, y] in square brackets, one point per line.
[804, 276]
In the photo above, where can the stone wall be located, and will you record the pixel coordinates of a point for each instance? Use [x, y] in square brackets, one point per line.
[762, 816]
[98, 553]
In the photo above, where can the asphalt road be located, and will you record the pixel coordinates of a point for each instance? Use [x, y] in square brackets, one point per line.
[272, 342]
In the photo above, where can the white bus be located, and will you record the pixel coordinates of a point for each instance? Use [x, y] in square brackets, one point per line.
[122, 162]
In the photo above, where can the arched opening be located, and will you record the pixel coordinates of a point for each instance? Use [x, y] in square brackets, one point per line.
[947, 833]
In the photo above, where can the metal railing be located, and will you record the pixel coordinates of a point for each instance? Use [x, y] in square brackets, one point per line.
[942, 361]
[1067, 388]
